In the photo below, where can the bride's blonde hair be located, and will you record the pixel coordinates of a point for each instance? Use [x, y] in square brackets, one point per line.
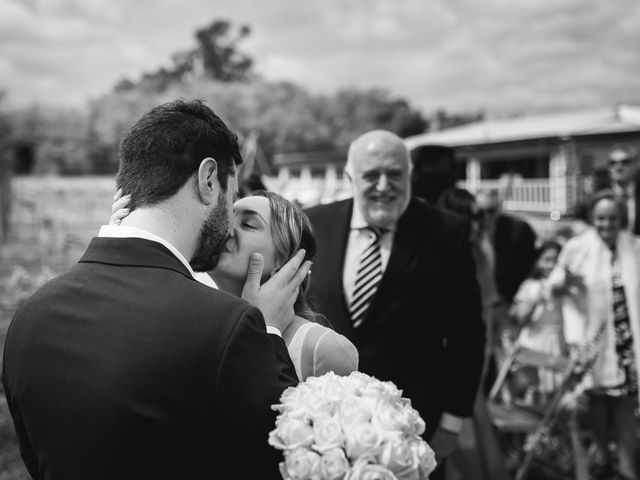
[291, 230]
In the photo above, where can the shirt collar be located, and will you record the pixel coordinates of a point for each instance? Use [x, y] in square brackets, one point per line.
[118, 231]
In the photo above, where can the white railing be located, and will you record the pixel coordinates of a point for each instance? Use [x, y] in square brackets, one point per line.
[539, 195]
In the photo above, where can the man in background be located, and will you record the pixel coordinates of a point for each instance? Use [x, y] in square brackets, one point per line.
[395, 275]
[511, 243]
[624, 180]
[509, 247]
[433, 171]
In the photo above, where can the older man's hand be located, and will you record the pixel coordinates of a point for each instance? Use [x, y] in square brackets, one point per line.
[444, 443]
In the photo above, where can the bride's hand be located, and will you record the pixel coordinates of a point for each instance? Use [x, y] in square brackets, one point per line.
[119, 208]
[275, 297]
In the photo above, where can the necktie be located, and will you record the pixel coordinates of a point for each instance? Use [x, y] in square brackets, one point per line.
[368, 277]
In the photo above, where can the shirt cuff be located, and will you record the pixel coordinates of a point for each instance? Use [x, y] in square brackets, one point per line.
[274, 331]
[451, 423]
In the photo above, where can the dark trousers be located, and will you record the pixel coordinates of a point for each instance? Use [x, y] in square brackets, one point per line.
[613, 420]
[440, 472]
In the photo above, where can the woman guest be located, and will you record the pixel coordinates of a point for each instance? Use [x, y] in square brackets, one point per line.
[598, 274]
[268, 224]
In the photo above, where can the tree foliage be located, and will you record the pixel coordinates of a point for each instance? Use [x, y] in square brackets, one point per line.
[284, 116]
[216, 56]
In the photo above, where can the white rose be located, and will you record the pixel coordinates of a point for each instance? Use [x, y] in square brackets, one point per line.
[391, 418]
[301, 464]
[362, 438]
[295, 400]
[398, 456]
[319, 405]
[332, 389]
[355, 382]
[416, 423]
[426, 457]
[366, 468]
[354, 410]
[328, 433]
[391, 390]
[334, 464]
[290, 433]
[380, 389]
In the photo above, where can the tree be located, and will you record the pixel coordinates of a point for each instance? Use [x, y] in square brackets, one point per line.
[352, 112]
[216, 56]
[219, 55]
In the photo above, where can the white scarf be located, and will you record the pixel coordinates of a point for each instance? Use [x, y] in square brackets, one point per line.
[584, 311]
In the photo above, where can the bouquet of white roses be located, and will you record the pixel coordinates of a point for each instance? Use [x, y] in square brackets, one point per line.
[350, 428]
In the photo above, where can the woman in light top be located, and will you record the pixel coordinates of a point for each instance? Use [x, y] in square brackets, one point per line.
[267, 223]
[598, 278]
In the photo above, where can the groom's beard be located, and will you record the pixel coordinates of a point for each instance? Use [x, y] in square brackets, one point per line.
[213, 237]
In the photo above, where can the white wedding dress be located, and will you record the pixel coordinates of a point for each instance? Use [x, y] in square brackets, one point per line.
[315, 350]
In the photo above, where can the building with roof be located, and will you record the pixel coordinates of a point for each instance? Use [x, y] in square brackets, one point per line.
[311, 177]
[539, 163]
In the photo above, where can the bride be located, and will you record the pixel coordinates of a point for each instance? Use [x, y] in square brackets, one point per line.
[267, 223]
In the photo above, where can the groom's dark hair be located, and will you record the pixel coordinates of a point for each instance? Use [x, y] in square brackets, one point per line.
[163, 149]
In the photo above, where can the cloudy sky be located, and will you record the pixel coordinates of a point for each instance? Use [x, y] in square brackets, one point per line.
[499, 55]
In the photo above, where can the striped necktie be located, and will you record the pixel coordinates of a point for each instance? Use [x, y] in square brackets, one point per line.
[368, 277]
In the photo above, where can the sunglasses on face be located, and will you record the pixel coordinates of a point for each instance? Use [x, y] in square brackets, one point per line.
[625, 162]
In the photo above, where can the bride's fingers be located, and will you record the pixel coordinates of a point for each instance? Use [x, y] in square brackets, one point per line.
[120, 203]
[287, 273]
[300, 275]
[118, 195]
[118, 215]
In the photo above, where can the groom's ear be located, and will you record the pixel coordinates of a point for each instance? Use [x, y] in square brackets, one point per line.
[208, 185]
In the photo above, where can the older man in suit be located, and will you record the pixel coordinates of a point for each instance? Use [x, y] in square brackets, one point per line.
[127, 367]
[396, 276]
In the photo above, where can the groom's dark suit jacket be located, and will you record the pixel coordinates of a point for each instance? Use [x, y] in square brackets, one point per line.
[128, 368]
[424, 329]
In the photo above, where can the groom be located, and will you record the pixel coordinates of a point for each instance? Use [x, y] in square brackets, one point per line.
[128, 368]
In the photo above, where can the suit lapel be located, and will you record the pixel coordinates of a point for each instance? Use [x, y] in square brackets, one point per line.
[339, 226]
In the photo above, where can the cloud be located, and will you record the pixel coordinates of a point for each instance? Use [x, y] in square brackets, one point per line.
[498, 55]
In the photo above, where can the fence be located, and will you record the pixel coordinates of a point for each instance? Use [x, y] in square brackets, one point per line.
[537, 195]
